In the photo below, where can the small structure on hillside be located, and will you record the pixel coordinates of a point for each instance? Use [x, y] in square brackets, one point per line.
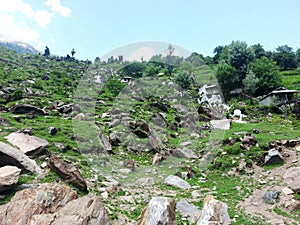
[279, 97]
[126, 79]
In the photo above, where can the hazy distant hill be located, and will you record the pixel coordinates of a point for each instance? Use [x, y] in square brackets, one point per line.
[19, 47]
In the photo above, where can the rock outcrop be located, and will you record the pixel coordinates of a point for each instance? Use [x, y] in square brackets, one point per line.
[68, 172]
[214, 212]
[30, 145]
[25, 108]
[160, 210]
[8, 177]
[15, 157]
[54, 204]
[176, 181]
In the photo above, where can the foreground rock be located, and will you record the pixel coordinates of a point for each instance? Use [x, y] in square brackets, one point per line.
[54, 204]
[68, 172]
[14, 157]
[176, 181]
[87, 210]
[8, 177]
[30, 145]
[184, 153]
[160, 210]
[214, 212]
[48, 198]
[273, 157]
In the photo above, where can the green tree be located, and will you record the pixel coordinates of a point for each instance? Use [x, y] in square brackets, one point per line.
[298, 55]
[240, 57]
[267, 72]
[221, 54]
[183, 79]
[73, 52]
[250, 83]
[285, 57]
[150, 70]
[258, 51]
[47, 51]
[228, 79]
[135, 69]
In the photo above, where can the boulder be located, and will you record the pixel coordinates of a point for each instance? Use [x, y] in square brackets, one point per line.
[273, 157]
[87, 210]
[189, 211]
[291, 178]
[160, 210]
[30, 145]
[176, 181]
[145, 181]
[184, 153]
[52, 130]
[12, 156]
[46, 199]
[271, 196]
[248, 141]
[155, 141]
[114, 139]
[9, 176]
[214, 212]
[68, 172]
[105, 144]
[25, 108]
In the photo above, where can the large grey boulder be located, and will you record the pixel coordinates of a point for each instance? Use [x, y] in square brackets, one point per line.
[30, 145]
[176, 181]
[190, 211]
[214, 212]
[273, 157]
[184, 153]
[8, 177]
[160, 210]
[25, 108]
[15, 157]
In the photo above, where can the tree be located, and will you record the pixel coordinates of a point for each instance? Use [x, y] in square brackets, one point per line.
[47, 51]
[73, 52]
[258, 50]
[298, 55]
[150, 70]
[250, 83]
[240, 57]
[285, 57]
[135, 69]
[221, 53]
[97, 59]
[228, 79]
[183, 79]
[267, 72]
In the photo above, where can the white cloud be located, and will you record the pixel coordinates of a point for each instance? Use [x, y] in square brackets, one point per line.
[43, 18]
[20, 32]
[13, 6]
[56, 6]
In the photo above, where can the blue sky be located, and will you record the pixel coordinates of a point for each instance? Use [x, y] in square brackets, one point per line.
[95, 27]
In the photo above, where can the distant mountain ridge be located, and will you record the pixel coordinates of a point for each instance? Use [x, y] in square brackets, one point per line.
[19, 47]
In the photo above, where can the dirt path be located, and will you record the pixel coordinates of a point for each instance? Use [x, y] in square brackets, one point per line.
[272, 180]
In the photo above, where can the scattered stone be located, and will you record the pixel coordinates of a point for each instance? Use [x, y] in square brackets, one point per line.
[145, 181]
[27, 109]
[157, 158]
[291, 178]
[248, 141]
[214, 212]
[106, 146]
[14, 157]
[61, 147]
[184, 153]
[26, 131]
[44, 165]
[114, 140]
[273, 157]
[271, 196]
[52, 130]
[190, 211]
[30, 145]
[4, 122]
[256, 131]
[80, 117]
[196, 194]
[129, 164]
[287, 191]
[160, 210]
[68, 172]
[187, 172]
[176, 181]
[155, 141]
[9, 176]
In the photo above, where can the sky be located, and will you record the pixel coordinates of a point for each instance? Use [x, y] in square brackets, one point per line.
[94, 28]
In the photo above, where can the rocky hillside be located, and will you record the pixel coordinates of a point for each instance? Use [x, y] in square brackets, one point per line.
[96, 143]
